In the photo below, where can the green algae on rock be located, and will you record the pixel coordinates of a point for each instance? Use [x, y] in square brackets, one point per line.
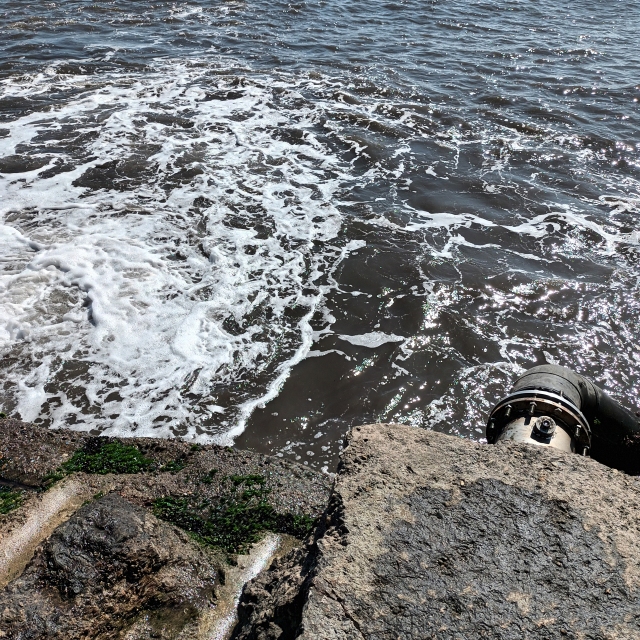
[173, 466]
[236, 519]
[102, 456]
[9, 499]
[110, 489]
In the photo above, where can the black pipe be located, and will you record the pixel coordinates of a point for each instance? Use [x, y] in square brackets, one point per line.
[583, 417]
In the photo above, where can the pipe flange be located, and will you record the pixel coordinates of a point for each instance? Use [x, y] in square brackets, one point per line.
[542, 403]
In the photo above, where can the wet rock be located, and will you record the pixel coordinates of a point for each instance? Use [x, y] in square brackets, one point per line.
[193, 486]
[32, 455]
[112, 568]
[430, 536]
[22, 164]
[29, 453]
[271, 605]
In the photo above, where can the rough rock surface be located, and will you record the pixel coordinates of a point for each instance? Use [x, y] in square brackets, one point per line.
[430, 536]
[28, 452]
[112, 565]
[113, 569]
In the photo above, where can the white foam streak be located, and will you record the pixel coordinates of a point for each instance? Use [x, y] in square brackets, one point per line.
[372, 340]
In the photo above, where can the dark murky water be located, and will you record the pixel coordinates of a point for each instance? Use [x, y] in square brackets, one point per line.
[271, 221]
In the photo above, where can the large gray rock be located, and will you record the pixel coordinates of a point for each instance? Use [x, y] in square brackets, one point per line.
[431, 536]
[112, 567]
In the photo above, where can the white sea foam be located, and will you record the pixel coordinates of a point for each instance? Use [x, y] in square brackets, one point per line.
[132, 307]
[372, 340]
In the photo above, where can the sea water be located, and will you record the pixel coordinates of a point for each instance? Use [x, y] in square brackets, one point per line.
[262, 223]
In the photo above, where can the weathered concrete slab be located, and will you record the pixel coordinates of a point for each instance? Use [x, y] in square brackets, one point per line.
[431, 536]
